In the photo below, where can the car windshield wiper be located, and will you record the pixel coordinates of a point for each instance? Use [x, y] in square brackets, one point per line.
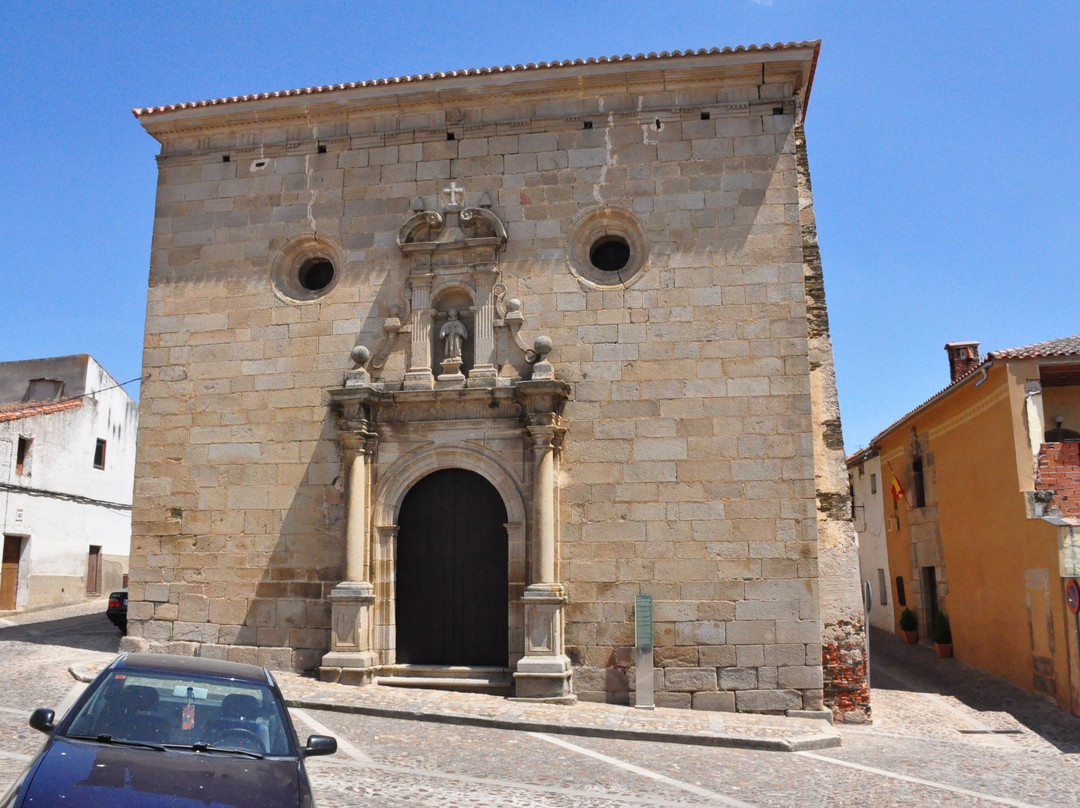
[109, 739]
[217, 750]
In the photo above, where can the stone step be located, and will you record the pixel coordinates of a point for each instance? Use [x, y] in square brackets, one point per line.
[492, 680]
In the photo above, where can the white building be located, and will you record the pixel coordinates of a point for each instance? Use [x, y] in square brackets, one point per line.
[67, 467]
[864, 472]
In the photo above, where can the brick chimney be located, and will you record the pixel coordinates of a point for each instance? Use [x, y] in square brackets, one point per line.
[963, 358]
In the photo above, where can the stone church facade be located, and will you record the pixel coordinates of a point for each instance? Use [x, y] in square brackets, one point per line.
[443, 371]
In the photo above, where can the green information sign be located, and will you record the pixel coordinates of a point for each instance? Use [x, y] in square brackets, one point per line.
[643, 624]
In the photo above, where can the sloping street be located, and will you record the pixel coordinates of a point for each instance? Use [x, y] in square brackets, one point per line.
[943, 734]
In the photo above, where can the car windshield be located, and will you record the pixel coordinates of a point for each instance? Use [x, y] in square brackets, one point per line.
[163, 708]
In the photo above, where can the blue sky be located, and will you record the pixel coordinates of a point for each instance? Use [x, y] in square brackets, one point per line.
[943, 143]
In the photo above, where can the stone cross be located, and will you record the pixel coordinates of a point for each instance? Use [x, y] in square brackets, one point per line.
[454, 190]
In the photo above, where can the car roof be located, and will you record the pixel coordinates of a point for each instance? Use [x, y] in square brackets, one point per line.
[194, 665]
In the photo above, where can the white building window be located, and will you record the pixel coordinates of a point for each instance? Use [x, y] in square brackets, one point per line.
[22, 456]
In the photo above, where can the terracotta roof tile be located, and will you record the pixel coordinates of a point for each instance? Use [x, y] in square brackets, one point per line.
[1065, 346]
[26, 409]
[352, 85]
[860, 455]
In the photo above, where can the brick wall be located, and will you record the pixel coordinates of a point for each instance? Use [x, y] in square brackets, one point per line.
[1059, 475]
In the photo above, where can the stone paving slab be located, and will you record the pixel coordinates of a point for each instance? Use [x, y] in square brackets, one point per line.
[701, 728]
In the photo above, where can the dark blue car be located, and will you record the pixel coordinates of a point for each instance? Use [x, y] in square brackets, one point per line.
[158, 730]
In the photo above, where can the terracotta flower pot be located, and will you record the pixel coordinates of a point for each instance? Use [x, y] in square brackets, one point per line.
[910, 636]
[944, 649]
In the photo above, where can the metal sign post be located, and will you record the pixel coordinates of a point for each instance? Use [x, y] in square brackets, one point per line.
[868, 600]
[643, 651]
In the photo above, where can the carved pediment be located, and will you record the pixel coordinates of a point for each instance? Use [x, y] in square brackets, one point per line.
[421, 229]
[454, 229]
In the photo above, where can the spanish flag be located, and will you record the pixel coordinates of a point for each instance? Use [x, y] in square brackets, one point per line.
[897, 489]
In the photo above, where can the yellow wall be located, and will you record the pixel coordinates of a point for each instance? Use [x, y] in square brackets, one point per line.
[993, 554]
[1062, 401]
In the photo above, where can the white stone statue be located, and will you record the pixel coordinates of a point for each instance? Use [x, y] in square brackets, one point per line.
[452, 334]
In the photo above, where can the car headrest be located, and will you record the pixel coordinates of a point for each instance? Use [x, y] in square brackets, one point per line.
[240, 706]
[138, 697]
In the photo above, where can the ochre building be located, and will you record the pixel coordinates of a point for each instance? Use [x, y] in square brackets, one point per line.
[987, 528]
[444, 371]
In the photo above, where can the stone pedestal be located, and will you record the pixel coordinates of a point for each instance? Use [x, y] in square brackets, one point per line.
[451, 375]
[543, 674]
[351, 659]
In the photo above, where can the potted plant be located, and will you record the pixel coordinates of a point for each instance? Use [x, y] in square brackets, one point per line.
[909, 626]
[942, 635]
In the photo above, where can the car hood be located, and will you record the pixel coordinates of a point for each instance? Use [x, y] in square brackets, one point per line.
[94, 775]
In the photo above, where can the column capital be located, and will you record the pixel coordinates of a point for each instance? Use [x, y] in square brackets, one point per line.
[546, 430]
[419, 280]
[361, 439]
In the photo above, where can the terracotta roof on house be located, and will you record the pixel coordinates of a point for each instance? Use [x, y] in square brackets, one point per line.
[859, 456]
[25, 409]
[1066, 346]
[352, 85]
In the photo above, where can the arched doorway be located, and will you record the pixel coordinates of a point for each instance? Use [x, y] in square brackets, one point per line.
[451, 576]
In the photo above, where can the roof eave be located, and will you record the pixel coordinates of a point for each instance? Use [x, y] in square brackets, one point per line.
[476, 81]
[983, 367]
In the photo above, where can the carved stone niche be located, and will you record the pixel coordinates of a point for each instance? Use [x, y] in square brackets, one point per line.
[451, 257]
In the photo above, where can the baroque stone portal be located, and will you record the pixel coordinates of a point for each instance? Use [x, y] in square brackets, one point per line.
[503, 421]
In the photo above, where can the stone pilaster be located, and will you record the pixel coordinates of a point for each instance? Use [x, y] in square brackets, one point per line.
[544, 672]
[483, 372]
[419, 375]
[351, 658]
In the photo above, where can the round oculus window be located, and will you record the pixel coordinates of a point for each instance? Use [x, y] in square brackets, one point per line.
[610, 254]
[607, 247]
[315, 274]
[306, 269]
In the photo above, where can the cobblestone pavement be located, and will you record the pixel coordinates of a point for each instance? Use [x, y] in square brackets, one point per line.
[942, 735]
[775, 733]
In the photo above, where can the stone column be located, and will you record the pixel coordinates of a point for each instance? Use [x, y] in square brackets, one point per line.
[419, 375]
[356, 534]
[483, 372]
[351, 659]
[543, 438]
[544, 672]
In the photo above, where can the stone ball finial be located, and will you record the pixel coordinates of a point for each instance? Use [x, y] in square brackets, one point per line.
[361, 355]
[513, 305]
[541, 347]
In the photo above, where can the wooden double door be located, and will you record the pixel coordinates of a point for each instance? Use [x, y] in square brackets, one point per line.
[451, 577]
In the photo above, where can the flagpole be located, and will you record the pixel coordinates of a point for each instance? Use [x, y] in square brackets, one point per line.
[896, 481]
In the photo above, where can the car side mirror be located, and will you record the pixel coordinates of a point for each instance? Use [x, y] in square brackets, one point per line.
[42, 720]
[320, 745]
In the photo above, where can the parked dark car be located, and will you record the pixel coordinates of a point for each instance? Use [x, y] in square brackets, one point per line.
[157, 730]
[117, 609]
